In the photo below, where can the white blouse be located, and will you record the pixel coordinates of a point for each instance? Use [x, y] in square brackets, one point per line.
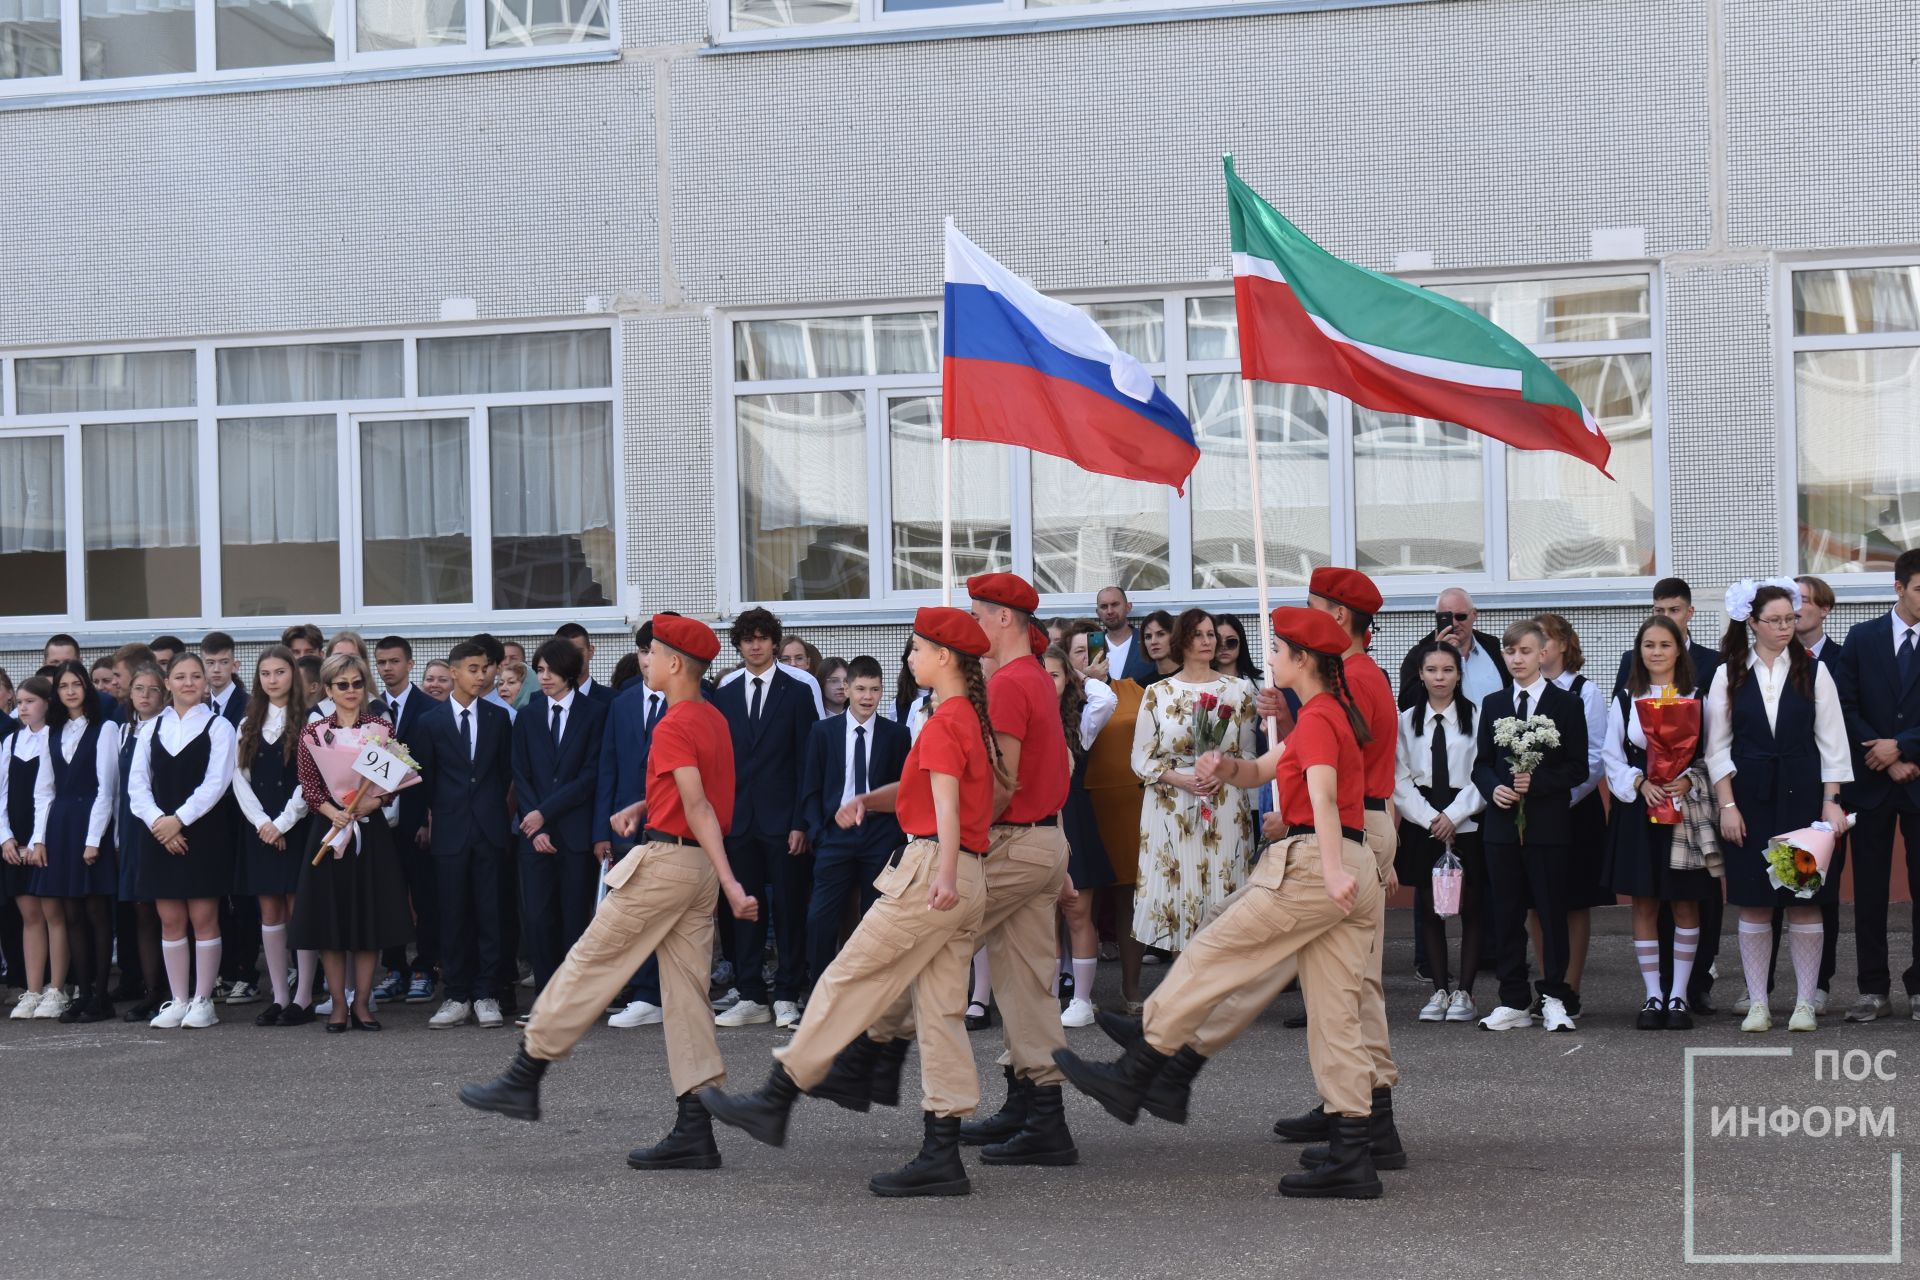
[25, 749]
[1829, 727]
[1102, 702]
[1594, 701]
[106, 769]
[175, 732]
[1413, 768]
[272, 729]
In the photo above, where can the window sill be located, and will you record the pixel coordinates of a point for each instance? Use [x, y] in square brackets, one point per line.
[100, 92]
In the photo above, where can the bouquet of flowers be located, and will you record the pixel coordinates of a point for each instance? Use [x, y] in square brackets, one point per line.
[1797, 861]
[1447, 876]
[351, 760]
[1672, 726]
[1211, 719]
[1527, 743]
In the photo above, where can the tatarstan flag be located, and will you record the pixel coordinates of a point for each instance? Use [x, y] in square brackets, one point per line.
[1307, 317]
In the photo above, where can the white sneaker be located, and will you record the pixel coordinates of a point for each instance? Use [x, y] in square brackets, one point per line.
[786, 1014]
[1554, 1014]
[744, 1014]
[171, 1014]
[53, 1003]
[637, 1014]
[1759, 1018]
[454, 1013]
[1461, 1007]
[1506, 1018]
[25, 1005]
[1803, 1018]
[200, 1014]
[243, 993]
[487, 1013]
[1078, 1013]
[727, 1000]
[1435, 1009]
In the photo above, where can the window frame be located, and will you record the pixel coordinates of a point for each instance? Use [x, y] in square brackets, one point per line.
[1491, 587]
[207, 413]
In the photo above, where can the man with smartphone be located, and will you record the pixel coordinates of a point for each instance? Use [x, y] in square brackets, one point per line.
[1482, 669]
[1126, 656]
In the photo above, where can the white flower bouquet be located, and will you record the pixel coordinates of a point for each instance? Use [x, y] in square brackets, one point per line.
[1527, 743]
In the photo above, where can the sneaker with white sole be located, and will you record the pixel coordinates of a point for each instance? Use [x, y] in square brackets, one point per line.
[1804, 1018]
[726, 1000]
[1554, 1015]
[786, 1014]
[1743, 1004]
[1435, 1009]
[242, 993]
[1461, 1007]
[746, 1013]
[1759, 1018]
[487, 1013]
[639, 1013]
[200, 1013]
[25, 1005]
[1506, 1018]
[53, 1003]
[1820, 1000]
[420, 990]
[171, 1015]
[391, 987]
[1078, 1013]
[454, 1013]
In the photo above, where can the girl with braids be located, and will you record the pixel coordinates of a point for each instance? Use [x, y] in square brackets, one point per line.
[1312, 901]
[1777, 754]
[1085, 707]
[273, 836]
[919, 933]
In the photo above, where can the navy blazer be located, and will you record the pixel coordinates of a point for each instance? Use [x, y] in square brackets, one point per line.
[1877, 704]
[560, 781]
[466, 797]
[413, 801]
[825, 779]
[237, 705]
[601, 694]
[1705, 662]
[1139, 667]
[768, 754]
[1549, 807]
[622, 777]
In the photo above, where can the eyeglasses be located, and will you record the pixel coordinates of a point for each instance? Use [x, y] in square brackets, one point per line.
[1787, 621]
[347, 686]
[1457, 617]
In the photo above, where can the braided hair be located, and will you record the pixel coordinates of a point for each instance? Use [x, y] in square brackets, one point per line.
[1073, 700]
[977, 695]
[1332, 670]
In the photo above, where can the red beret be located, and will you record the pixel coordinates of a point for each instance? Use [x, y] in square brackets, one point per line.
[1349, 587]
[1310, 629]
[954, 628]
[1008, 590]
[1037, 637]
[689, 635]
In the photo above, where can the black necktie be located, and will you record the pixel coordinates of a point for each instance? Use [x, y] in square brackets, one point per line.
[1523, 704]
[753, 710]
[556, 724]
[1906, 658]
[466, 730]
[860, 760]
[653, 710]
[1442, 778]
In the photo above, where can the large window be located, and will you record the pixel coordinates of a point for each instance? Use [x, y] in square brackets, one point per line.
[127, 46]
[1855, 352]
[736, 20]
[454, 474]
[834, 424]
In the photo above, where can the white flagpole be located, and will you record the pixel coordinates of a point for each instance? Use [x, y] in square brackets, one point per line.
[1262, 624]
[946, 521]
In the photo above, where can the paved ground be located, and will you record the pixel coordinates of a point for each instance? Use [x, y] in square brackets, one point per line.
[238, 1152]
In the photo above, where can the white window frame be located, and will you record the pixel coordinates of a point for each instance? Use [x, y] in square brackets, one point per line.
[1846, 586]
[207, 414]
[885, 604]
[348, 62]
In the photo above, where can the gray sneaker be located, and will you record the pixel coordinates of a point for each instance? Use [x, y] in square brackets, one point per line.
[1868, 1008]
[487, 1013]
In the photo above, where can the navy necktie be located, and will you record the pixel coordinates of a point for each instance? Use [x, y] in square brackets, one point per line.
[1523, 704]
[466, 730]
[860, 760]
[753, 710]
[654, 702]
[556, 724]
[1907, 649]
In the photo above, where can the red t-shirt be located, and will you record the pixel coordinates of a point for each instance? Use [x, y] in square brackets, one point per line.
[949, 743]
[1321, 735]
[690, 733]
[1374, 696]
[1022, 704]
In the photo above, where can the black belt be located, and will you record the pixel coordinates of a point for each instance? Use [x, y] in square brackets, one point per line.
[894, 861]
[653, 835]
[1050, 821]
[1354, 834]
[1378, 806]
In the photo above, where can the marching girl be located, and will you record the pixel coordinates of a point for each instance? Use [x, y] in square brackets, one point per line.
[920, 931]
[79, 788]
[1777, 753]
[1561, 661]
[274, 813]
[146, 698]
[182, 768]
[1085, 707]
[23, 849]
[352, 905]
[1640, 852]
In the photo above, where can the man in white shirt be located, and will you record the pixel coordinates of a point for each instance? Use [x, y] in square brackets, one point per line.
[228, 695]
[1483, 670]
[1126, 658]
[576, 635]
[798, 673]
[393, 663]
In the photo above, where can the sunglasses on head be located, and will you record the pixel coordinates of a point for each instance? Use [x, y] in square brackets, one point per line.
[346, 686]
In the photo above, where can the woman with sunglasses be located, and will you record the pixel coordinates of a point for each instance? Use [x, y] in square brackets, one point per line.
[351, 903]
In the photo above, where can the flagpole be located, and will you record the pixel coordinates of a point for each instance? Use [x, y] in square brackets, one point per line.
[946, 521]
[1264, 625]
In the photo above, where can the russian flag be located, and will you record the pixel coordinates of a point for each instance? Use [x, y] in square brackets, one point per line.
[1024, 369]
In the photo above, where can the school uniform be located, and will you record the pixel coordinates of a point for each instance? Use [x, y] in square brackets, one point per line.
[1483, 669]
[1705, 662]
[1088, 864]
[405, 708]
[769, 717]
[622, 781]
[78, 790]
[1530, 873]
[591, 689]
[240, 910]
[465, 765]
[183, 767]
[556, 761]
[1587, 884]
[18, 776]
[846, 758]
[1433, 772]
[268, 790]
[356, 899]
[1827, 653]
[230, 703]
[1878, 677]
[1639, 852]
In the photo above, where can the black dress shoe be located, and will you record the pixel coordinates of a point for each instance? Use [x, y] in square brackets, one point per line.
[336, 1028]
[268, 1017]
[371, 1024]
[1679, 1017]
[98, 1009]
[936, 1171]
[514, 1093]
[1653, 1015]
[1311, 1127]
[296, 1015]
[142, 1012]
[689, 1145]
[1348, 1173]
[1044, 1139]
[982, 1020]
[1383, 1141]
[762, 1115]
[1005, 1122]
[1117, 1086]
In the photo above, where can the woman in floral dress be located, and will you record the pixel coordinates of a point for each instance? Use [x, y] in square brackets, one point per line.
[1195, 839]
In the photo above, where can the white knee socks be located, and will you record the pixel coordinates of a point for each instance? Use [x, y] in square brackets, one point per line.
[1647, 952]
[206, 972]
[1756, 952]
[173, 951]
[306, 962]
[273, 941]
[1686, 944]
[982, 980]
[1083, 971]
[1806, 939]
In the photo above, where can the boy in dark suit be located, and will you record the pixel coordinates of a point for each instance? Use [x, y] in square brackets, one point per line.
[463, 746]
[622, 782]
[1529, 870]
[406, 704]
[556, 765]
[239, 914]
[848, 755]
[769, 714]
[576, 635]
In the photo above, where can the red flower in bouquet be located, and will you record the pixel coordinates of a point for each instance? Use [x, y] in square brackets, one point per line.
[1672, 727]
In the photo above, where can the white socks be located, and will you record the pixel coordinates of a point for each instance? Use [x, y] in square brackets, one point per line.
[306, 962]
[1806, 939]
[1756, 954]
[273, 941]
[982, 980]
[206, 960]
[1647, 952]
[173, 951]
[1083, 971]
[1686, 944]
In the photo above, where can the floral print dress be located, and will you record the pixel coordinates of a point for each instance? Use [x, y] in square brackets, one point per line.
[1193, 852]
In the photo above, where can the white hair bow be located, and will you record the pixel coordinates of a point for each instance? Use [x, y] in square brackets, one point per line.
[1740, 595]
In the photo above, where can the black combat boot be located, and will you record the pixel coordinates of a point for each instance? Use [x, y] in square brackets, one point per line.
[1117, 1086]
[762, 1115]
[1167, 1097]
[1044, 1139]
[1311, 1127]
[515, 1093]
[886, 1072]
[1348, 1174]
[1120, 1029]
[936, 1171]
[689, 1145]
[849, 1082]
[1005, 1122]
[1384, 1139]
